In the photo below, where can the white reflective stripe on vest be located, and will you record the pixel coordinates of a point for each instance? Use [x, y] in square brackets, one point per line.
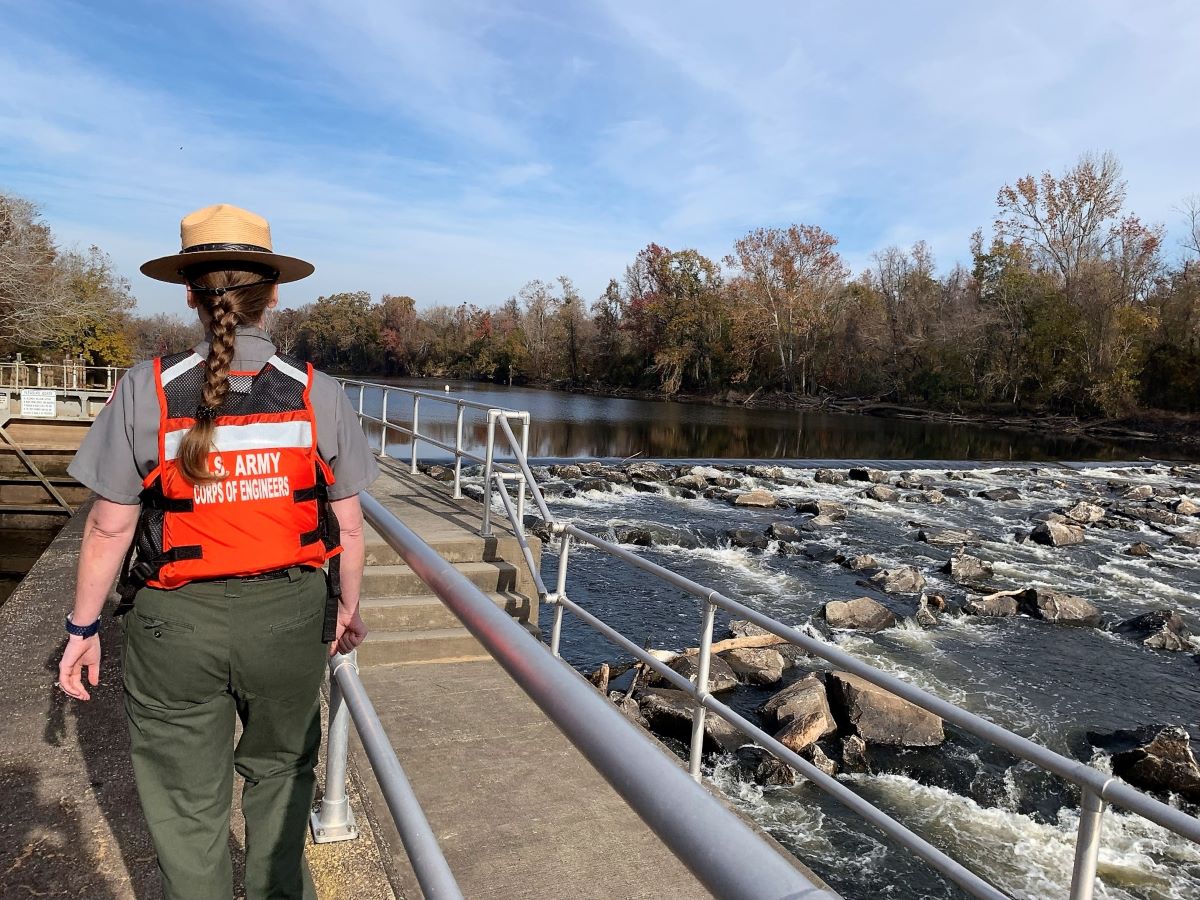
[186, 364]
[256, 436]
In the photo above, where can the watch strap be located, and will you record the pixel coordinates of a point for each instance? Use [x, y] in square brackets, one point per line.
[83, 631]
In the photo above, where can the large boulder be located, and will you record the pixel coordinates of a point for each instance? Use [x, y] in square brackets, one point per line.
[1057, 534]
[881, 493]
[947, 537]
[757, 665]
[860, 614]
[830, 508]
[828, 476]
[1084, 513]
[1155, 758]
[1000, 494]
[1056, 606]
[1187, 539]
[566, 473]
[1140, 548]
[757, 498]
[862, 562]
[669, 713]
[875, 476]
[900, 580]
[1186, 506]
[648, 472]
[748, 538]
[1162, 629]
[692, 482]
[803, 701]
[721, 677]
[1138, 492]
[880, 717]
[925, 615]
[782, 531]
[1000, 604]
[964, 568]
[639, 537]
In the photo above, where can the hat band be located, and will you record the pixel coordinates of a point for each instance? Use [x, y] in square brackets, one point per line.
[237, 248]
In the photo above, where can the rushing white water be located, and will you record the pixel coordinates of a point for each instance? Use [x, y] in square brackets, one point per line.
[1050, 683]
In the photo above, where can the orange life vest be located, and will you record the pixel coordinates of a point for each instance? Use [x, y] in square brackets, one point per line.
[268, 511]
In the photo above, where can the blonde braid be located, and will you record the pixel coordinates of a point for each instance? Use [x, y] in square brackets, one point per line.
[228, 307]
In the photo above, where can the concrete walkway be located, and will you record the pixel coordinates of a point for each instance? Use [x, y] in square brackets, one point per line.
[518, 810]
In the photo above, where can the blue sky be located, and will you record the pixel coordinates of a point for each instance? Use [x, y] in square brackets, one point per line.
[455, 150]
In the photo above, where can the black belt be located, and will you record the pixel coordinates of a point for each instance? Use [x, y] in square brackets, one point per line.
[268, 576]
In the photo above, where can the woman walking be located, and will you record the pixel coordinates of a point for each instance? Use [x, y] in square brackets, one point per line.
[227, 476]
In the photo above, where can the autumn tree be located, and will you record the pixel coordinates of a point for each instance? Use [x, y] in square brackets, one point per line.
[788, 286]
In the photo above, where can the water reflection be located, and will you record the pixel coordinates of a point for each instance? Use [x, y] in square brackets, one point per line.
[579, 426]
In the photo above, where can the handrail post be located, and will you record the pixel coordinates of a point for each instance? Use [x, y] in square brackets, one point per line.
[560, 590]
[521, 480]
[1087, 845]
[458, 445]
[383, 428]
[361, 388]
[702, 667]
[416, 430]
[333, 820]
[485, 528]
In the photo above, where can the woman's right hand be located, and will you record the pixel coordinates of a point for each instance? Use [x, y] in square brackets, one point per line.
[351, 630]
[79, 654]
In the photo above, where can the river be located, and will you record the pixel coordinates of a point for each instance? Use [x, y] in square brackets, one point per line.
[1051, 683]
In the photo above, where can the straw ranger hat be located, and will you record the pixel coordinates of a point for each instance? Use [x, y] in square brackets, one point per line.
[225, 233]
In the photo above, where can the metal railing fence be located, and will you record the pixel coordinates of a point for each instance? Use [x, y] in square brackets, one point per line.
[457, 449]
[67, 375]
[333, 820]
[1098, 789]
[720, 849]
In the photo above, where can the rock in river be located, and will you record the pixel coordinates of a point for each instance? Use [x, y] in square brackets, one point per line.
[669, 713]
[1141, 548]
[875, 476]
[999, 604]
[720, 675]
[901, 580]
[748, 538]
[1162, 629]
[1000, 494]
[758, 665]
[925, 615]
[1084, 513]
[882, 493]
[828, 476]
[639, 537]
[1156, 758]
[782, 531]
[802, 701]
[756, 497]
[1055, 606]
[830, 508]
[861, 614]
[963, 568]
[1057, 534]
[1186, 506]
[947, 537]
[880, 717]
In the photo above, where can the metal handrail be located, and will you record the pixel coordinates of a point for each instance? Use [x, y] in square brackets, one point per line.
[415, 436]
[721, 850]
[69, 375]
[333, 820]
[1098, 789]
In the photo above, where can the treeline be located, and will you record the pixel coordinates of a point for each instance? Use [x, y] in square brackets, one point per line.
[1070, 303]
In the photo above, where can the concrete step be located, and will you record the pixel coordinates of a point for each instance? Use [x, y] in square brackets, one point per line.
[431, 645]
[386, 614]
[401, 581]
[456, 548]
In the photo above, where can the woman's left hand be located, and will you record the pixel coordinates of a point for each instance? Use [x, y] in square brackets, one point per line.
[350, 632]
[79, 654]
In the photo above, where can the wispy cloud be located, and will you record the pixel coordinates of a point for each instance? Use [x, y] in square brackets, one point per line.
[454, 150]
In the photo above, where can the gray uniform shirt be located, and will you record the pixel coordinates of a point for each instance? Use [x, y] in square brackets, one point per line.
[121, 447]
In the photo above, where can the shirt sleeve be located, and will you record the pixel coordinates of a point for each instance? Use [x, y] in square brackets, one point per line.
[341, 440]
[105, 461]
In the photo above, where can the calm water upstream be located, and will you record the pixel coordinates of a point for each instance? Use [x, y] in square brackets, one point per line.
[1051, 683]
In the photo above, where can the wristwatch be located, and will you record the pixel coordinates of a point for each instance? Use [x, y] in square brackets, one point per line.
[83, 631]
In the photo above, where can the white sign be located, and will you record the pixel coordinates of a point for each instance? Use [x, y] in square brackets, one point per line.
[39, 403]
[4, 400]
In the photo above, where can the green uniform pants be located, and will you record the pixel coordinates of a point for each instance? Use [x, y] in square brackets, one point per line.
[194, 658]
